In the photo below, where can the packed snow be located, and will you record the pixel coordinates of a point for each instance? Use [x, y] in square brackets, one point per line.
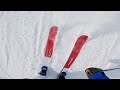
[23, 37]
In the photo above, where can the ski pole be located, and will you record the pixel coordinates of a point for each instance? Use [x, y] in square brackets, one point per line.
[111, 69]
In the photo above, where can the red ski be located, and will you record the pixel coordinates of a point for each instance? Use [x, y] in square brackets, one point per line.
[51, 40]
[77, 48]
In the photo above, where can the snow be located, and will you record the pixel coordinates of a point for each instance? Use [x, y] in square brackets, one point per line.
[23, 36]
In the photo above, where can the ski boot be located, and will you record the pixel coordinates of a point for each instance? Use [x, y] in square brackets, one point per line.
[62, 75]
[43, 70]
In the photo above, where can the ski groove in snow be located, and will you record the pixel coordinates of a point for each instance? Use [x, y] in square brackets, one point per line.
[1, 14]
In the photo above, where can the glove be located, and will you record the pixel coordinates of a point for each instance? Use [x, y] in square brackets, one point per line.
[92, 70]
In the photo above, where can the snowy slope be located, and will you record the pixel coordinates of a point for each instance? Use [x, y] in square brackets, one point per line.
[23, 36]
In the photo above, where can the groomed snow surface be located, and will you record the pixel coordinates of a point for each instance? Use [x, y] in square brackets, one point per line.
[23, 37]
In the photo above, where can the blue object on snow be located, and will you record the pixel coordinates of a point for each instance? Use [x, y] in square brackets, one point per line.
[98, 75]
[63, 74]
[44, 68]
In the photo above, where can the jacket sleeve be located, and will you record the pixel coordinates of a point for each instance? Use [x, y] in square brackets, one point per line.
[98, 75]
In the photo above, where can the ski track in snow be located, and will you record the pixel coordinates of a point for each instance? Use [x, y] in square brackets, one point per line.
[5, 74]
[2, 12]
[24, 36]
[7, 55]
[111, 48]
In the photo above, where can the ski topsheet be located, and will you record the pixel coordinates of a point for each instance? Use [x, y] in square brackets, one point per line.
[50, 42]
[77, 48]
[49, 46]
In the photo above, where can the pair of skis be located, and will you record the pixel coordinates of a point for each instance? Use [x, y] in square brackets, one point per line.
[76, 49]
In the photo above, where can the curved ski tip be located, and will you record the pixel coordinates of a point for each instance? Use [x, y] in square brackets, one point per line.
[54, 27]
[84, 36]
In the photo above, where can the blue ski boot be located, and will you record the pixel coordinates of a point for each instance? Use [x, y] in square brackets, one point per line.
[43, 70]
[62, 75]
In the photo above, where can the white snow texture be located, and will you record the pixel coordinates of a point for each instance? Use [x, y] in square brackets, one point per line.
[23, 37]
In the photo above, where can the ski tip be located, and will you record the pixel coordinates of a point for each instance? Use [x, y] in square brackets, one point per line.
[85, 37]
[54, 27]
